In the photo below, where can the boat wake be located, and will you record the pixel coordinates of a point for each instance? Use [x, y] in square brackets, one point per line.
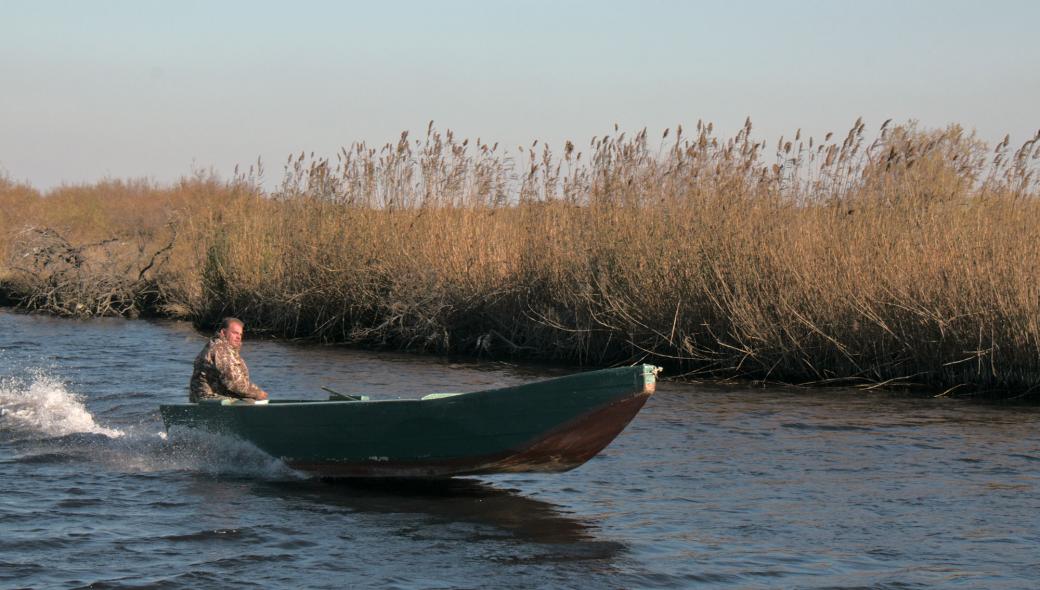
[41, 421]
[44, 408]
[194, 451]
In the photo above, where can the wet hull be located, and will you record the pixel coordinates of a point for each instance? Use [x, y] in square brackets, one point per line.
[550, 426]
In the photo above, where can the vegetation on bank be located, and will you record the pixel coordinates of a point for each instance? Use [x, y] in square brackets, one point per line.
[909, 257]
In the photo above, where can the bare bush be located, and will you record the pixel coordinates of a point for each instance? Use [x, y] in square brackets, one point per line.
[107, 278]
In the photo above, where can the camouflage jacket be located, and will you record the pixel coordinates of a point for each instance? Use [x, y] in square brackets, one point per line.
[221, 372]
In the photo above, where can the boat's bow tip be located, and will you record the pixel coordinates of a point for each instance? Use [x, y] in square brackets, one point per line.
[650, 373]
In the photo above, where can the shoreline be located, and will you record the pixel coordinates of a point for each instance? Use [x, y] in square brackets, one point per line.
[559, 368]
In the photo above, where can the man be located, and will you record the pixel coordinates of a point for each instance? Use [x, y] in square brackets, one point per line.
[220, 372]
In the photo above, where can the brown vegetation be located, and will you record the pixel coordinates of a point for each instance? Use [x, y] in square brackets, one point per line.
[910, 258]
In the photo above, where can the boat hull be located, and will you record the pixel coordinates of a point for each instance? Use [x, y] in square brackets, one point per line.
[550, 426]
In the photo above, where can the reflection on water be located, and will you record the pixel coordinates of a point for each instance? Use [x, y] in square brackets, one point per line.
[451, 501]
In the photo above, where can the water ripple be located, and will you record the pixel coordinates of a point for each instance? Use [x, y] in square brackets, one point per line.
[711, 486]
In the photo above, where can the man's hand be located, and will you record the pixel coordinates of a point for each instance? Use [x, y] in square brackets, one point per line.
[263, 395]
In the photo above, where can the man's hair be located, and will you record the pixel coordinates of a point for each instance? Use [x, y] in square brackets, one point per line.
[226, 323]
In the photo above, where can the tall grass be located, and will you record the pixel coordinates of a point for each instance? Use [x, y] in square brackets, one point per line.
[907, 257]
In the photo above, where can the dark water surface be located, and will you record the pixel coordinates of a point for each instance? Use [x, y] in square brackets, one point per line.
[708, 487]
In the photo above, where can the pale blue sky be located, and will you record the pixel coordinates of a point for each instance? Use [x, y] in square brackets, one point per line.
[151, 89]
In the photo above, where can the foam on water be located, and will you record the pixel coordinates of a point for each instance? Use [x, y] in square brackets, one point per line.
[51, 423]
[43, 407]
[193, 451]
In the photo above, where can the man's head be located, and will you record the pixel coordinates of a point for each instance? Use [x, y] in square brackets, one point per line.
[231, 330]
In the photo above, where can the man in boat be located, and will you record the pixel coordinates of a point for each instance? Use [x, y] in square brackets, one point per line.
[220, 372]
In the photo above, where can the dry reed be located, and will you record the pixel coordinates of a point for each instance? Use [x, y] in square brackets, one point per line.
[909, 258]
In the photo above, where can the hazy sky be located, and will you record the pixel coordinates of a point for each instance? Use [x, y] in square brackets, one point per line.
[153, 89]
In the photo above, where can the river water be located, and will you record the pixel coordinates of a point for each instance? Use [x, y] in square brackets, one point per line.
[710, 486]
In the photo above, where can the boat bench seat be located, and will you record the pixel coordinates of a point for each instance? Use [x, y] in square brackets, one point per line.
[438, 395]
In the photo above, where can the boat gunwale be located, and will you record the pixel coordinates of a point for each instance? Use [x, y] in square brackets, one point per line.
[302, 402]
[648, 385]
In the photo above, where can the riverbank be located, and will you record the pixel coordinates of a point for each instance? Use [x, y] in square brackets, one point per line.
[907, 259]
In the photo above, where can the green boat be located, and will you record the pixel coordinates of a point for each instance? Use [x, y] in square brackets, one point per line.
[549, 426]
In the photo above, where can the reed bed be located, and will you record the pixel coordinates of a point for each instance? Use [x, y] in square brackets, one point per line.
[905, 258]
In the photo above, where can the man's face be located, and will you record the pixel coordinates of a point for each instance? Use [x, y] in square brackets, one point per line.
[233, 334]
